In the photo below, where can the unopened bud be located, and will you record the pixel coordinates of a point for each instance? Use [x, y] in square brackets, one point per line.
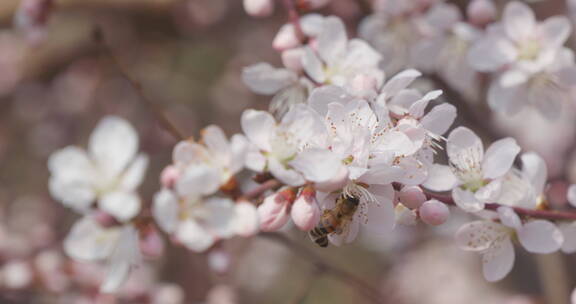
[286, 38]
[412, 197]
[305, 211]
[152, 244]
[434, 213]
[259, 8]
[273, 212]
[169, 176]
[481, 12]
[219, 260]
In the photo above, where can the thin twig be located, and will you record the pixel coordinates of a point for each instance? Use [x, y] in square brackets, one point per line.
[466, 110]
[363, 287]
[138, 88]
[539, 214]
[254, 193]
[294, 18]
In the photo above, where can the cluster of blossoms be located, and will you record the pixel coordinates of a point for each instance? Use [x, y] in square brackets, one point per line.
[346, 120]
[527, 60]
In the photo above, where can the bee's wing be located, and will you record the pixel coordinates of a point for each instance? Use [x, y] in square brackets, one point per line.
[349, 232]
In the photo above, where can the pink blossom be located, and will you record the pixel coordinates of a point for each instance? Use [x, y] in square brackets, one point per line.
[305, 211]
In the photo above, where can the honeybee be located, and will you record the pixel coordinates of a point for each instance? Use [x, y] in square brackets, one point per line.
[335, 220]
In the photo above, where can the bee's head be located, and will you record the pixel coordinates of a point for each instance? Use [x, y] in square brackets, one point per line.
[352, 200]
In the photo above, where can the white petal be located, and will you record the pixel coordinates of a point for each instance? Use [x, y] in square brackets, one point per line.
[262, 78]
[381, 216]
[134, 174]
[491, 53]
[507, 100]
[479, 235]
[313, 66]
[220, 217]
[288, 176]
[126, 254]
[324, 95]
[194, 236]
[534, 168]
[569, 232]
[217, 143]
[540, 236]
[121, 205]
[348, 235]
[165, 210]
[332, 40]
[498, 260]
[88, 241]
[518, 20]
[246, 219]
[466, 200]
[489, 193]
[417, 108]
[255, 161]
[555, 31]
[78, 196]
[464, 148]
[509, 218]
[198, 179]
[317, 165]
[72, 178]
[258, 127]
[185, 152]
[440, 178]
[113, 145]
[399, 82]
[239, 148]
[439, 119]
[499, 157]
[571, 195]
[116, 275]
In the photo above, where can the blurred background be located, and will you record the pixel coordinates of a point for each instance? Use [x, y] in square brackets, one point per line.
[188, 56]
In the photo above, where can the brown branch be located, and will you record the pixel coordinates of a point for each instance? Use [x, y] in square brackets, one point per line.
[100, 38]
[294, 18]
[469, 113]
[539, 214]
[363, 287]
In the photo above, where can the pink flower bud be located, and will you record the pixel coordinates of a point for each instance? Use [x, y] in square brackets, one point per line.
[292, 59]
[434, 213]
[481, 12]
[169, 176]
[259, 8]
[305, 211]
[336, 183]
[273, 213]
[412, 197]
[152, 244]
[286, 38]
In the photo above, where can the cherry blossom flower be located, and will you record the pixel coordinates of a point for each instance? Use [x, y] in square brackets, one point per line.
[109, 172]
[276, 144]
[538, 70]
[336, 59]
[286, 38]
[219, 159]
[493, 240]
[117, 246]
[474, 176]
[375, 214]
[198, 222]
